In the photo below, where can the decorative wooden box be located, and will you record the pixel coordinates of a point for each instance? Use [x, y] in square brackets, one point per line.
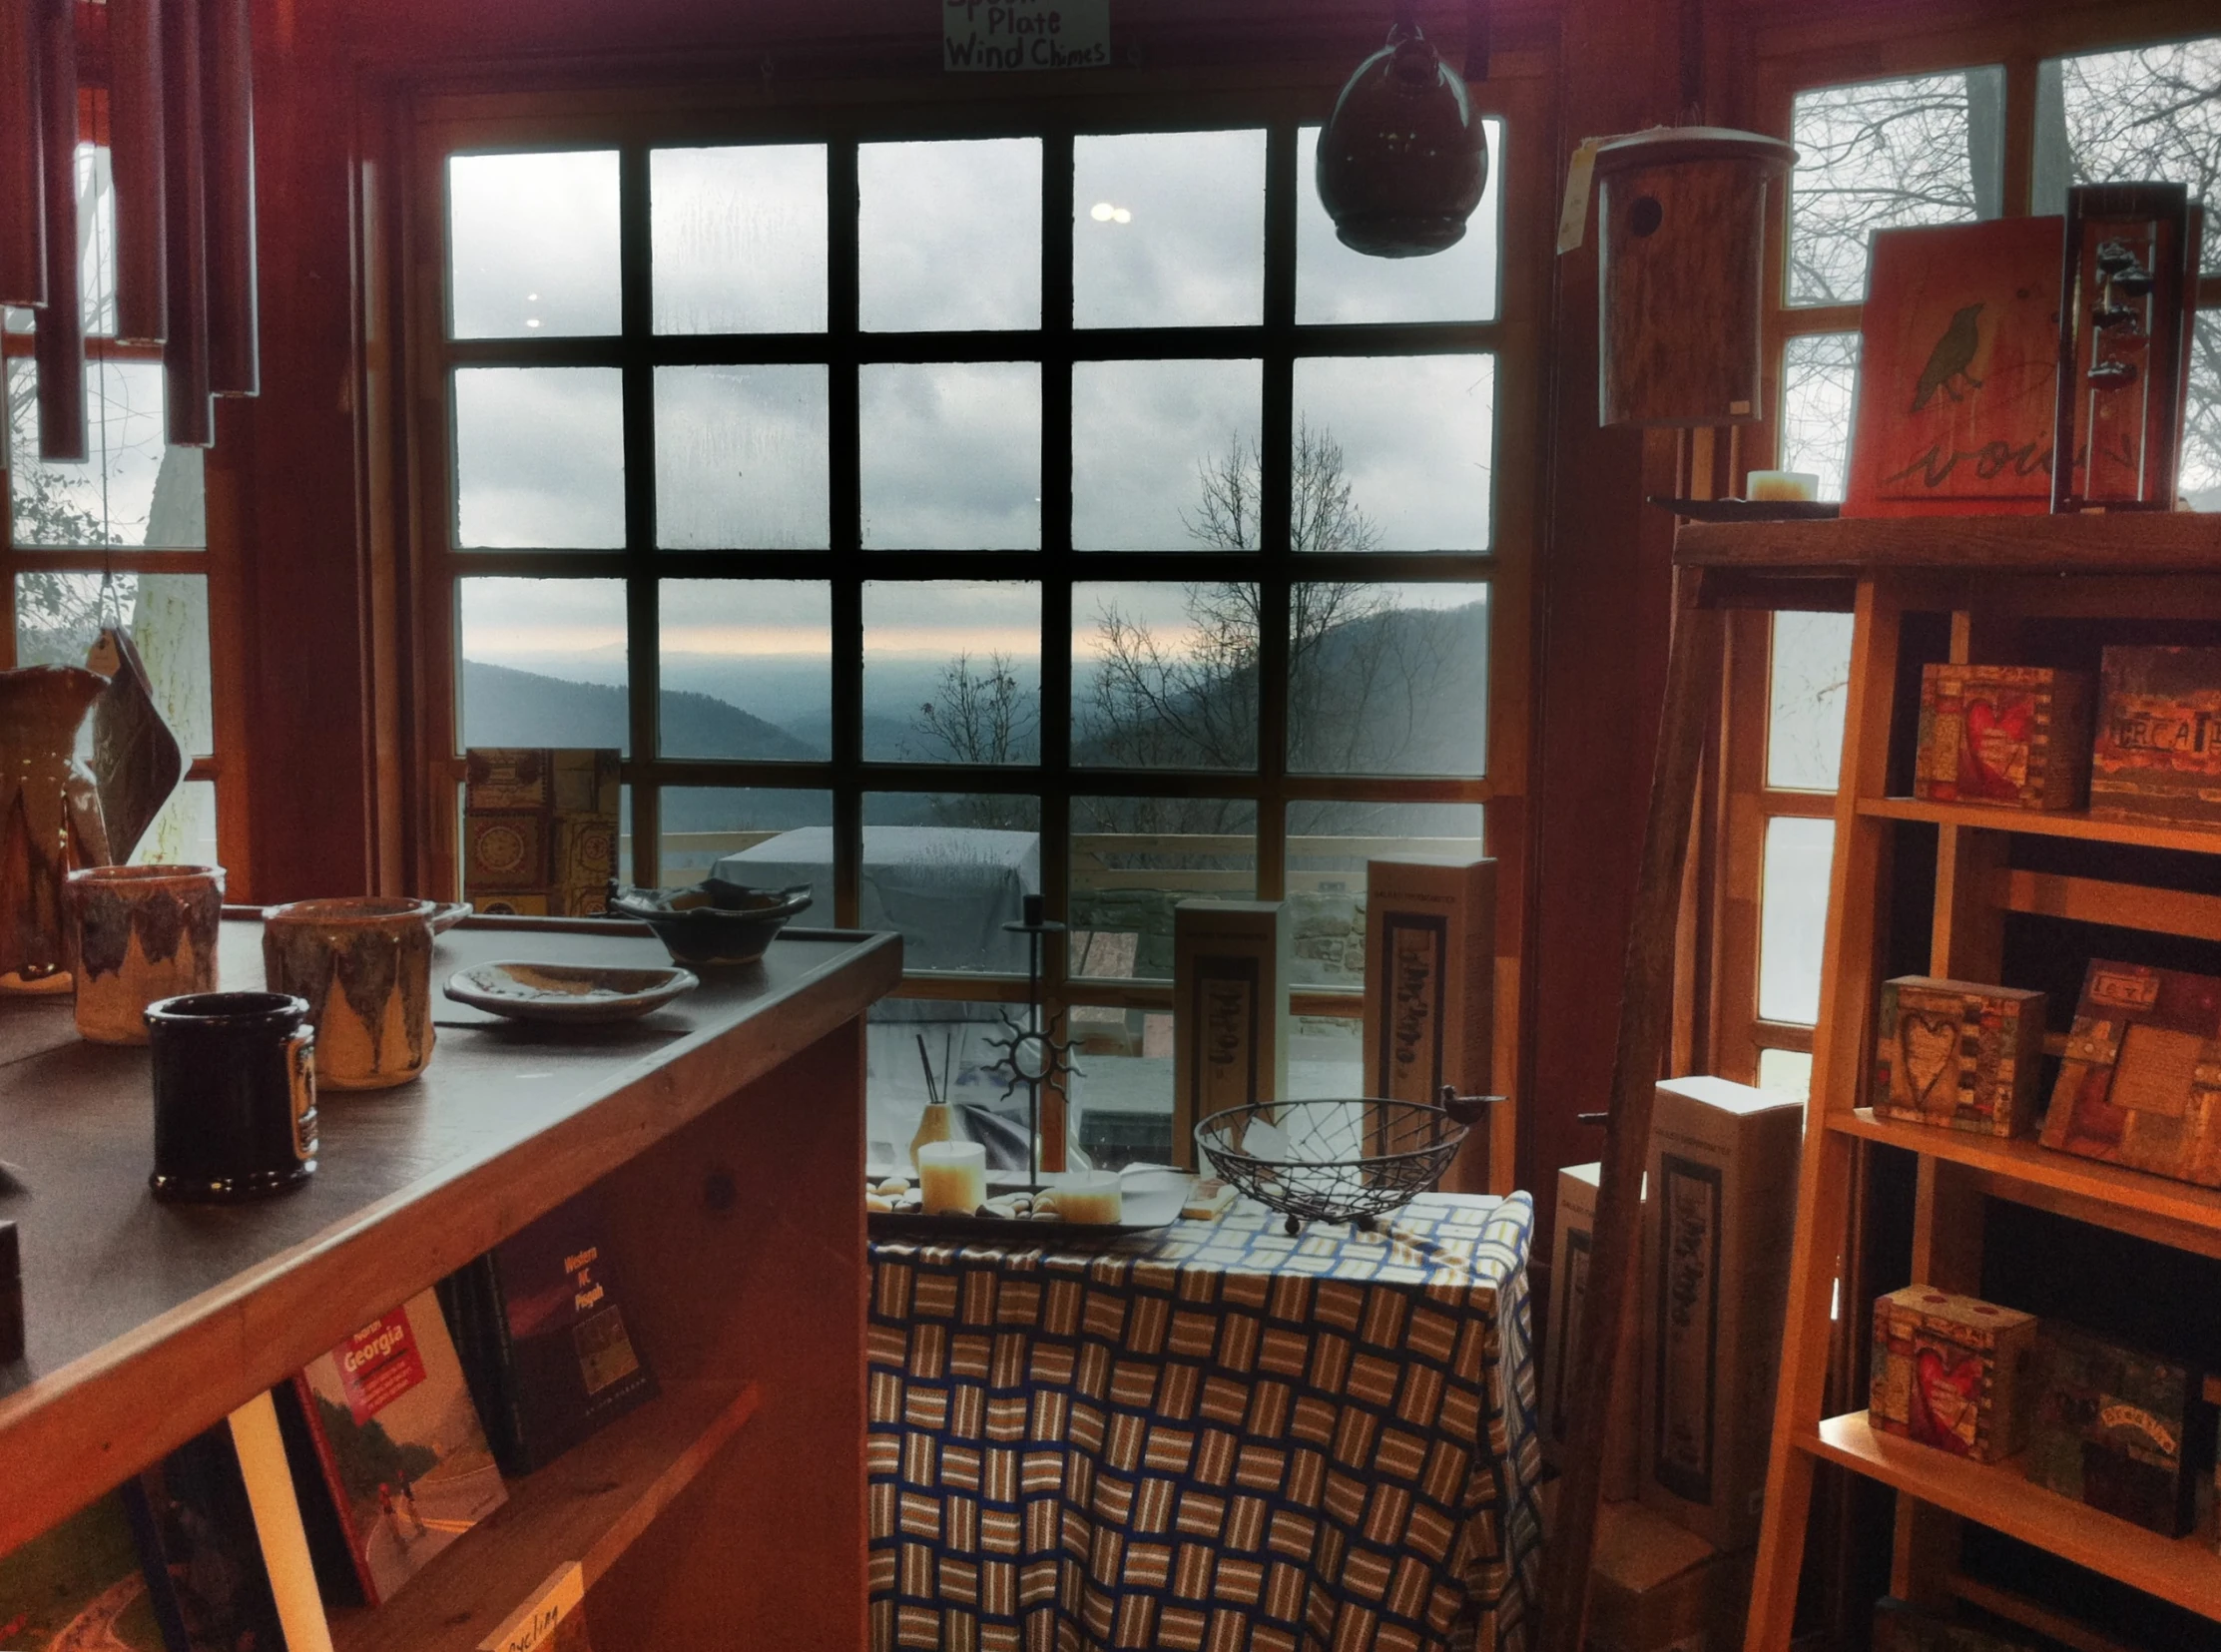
[2141, 1081]
[1229, 972]
[1951, 1372]
[2158, 751]
[1956, 1054]
[2124, 1431]
[2014, 736]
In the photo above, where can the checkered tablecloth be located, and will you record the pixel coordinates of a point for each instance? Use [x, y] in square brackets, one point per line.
[1214, 1436]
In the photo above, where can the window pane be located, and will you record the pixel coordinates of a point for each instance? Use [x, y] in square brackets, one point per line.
[952, 456]
[950, 870]
[1133, 860]
[543, 661]
[1819, 380]
[1164, 675]
[1787, 1072]
[59, 616]
[1810, 681]
[1165, 455]
[1924, 150]
[1168, 229]
[2153, 112]
[539, 457]
[184, 833]
[1394, 452]
[2200, 480]
[951, 671]
[741, 459]
[747, 668]
[1328, 845]
[949, 236]
[704, 824]
[1333, 284]
[96, 254]
[1388, 679]
[1326, 1057]
[738, 238]
[1793, 918]
[137, 490]
[958, 1035]
[532, 244]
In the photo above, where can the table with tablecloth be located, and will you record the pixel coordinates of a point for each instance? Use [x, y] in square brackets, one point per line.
[1213, 1435]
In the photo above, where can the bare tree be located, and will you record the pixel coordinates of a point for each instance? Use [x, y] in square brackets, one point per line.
[980, 713]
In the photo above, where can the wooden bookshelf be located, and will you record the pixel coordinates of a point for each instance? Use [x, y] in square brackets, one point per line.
[723, 1136]
[2184, 1570]
[2045, 823]
[589, 1505]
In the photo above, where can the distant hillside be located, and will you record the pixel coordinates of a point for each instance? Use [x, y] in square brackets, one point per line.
[885, 736]
[505, 707]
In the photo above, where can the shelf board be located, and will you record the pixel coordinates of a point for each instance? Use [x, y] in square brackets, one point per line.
[2123, 542]
[2045, 823]
[589, 1505]
[2028, 1172]
[2184, 1570]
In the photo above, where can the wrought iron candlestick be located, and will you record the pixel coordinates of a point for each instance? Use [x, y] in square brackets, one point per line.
[1031, 1054]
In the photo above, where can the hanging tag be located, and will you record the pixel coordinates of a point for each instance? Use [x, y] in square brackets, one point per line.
[1573, 215]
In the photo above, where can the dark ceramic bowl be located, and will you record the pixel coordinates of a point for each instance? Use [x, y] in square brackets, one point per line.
[712, 922]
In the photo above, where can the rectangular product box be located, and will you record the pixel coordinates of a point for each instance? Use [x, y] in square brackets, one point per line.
[1572, 1251]
[2017, 736]
[2157, 754]
[1656, 1588]
[2122, 1431]
[1230, 968]
[1718, 1218]
[1430, 977]
[1959, 1055]
[1951, 1372]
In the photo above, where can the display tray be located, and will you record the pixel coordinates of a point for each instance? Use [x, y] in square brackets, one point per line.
[1151, 1199]
[1752, 510]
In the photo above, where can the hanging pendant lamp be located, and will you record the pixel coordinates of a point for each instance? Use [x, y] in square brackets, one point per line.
[1402, 159]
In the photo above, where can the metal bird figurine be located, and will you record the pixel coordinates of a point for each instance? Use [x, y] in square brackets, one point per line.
[1952, 355]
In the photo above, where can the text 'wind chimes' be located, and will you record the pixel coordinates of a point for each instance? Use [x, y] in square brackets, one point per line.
[168, 87]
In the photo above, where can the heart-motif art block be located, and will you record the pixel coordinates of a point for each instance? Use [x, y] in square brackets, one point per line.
[1959, 1054]
[2014, 736]
[1928, 1047]
[1993, 758]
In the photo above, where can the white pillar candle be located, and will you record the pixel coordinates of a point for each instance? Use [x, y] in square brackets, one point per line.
[1783, 484]
[1089, 1196]
[951, 1178]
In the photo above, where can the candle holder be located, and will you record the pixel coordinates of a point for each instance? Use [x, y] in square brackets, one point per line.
[1032, 1056]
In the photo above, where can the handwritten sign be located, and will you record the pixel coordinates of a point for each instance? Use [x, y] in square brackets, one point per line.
[1025, 34]
[532, 1626]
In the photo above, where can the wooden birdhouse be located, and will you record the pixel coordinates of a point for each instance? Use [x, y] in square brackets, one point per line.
[1681, 220]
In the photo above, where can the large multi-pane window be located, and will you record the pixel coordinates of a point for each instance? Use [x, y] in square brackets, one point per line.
[943, 519]
[118, 539]
[1944, 145]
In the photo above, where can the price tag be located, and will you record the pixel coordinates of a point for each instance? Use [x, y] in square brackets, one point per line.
[1573, 214]
[994, 35]
[532, 1625]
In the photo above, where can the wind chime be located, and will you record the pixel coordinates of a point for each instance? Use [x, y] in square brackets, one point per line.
[180, 131]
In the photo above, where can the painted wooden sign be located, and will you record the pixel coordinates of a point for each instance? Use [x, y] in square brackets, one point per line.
[1004, 35]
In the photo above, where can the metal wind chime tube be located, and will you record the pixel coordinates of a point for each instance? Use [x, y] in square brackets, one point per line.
[59, 345]
[22, 176]
[185, 351]
[228, 81]
[135, 161]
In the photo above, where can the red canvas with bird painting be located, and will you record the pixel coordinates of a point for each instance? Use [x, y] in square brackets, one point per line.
[1958, 370]
[1951, 1372]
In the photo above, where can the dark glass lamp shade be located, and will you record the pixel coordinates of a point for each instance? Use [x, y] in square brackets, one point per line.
[1402, 159]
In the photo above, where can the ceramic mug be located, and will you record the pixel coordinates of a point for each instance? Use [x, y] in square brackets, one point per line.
[140, 934]
[365, 966]
[234, 1085]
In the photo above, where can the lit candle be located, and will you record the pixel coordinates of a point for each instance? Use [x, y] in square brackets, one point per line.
[1089, 1196]
[951, 1177]
[1784, 485]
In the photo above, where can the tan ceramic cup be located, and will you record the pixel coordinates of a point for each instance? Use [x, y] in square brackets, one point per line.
[365, 966]
[140, 934]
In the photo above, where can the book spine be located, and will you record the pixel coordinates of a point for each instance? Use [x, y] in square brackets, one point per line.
[269, 1492]
[328, 1546]
[337, 1487]
[515, 1446]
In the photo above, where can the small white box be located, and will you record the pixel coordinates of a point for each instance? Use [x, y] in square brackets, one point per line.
[1572, 1249]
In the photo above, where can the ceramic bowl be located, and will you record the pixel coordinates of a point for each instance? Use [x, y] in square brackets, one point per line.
[575, 994]
[447, 914]
[712, 922]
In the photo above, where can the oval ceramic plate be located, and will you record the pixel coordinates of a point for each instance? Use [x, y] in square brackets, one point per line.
[573, 993]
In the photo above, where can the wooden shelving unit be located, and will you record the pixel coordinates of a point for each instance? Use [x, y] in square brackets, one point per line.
[1999, 580]
[723, 1138]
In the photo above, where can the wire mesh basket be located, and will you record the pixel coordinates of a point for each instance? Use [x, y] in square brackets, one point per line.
[1337, 1161]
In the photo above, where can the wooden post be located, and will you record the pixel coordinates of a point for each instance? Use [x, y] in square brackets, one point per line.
[1693, 664]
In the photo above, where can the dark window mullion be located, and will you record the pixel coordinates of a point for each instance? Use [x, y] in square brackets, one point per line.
[643, 670]
[1056, 544]
[846, 563]
[1277, 438]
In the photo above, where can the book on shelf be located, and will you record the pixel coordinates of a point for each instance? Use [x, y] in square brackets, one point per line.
[404, 1465]
[86, 1583]
[542, 1325]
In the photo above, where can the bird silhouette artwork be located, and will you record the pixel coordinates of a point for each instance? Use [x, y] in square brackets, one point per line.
[1949, 360]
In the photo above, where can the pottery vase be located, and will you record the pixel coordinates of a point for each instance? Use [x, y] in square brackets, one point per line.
[142, 934]
[50, 817]
[366, 967]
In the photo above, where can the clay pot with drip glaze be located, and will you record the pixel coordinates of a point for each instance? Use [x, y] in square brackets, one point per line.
[50, 817]
[143, 934]
[1403, 160]
[366, 967]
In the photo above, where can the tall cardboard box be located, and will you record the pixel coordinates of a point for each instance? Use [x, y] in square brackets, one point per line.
[1572, 1246]
[1654, 1588]
[1430, 977]
[1720, 1215]
[1230, 970]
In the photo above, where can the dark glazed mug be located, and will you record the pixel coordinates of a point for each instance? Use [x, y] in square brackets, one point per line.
[235, 1096]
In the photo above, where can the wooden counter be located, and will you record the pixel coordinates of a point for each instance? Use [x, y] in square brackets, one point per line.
[729, 1128]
